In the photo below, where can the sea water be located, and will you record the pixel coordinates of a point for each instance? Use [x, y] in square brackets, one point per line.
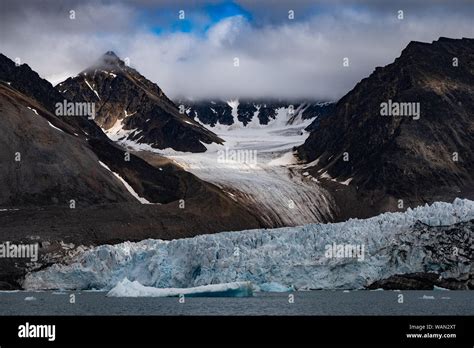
[362, 302]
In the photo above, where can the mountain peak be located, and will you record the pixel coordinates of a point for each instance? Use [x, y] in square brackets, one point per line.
[110, 54]
[109, 59]
[122, 94]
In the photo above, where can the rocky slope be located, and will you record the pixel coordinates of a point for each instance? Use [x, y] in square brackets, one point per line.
[37, 97]
[416, 158]
[29, 102]
[44, 165]
[132, 108]
[70, 158]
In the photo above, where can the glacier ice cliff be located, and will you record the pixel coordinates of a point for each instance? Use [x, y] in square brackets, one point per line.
[292, 257]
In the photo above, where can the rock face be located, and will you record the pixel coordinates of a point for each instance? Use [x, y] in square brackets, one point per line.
[45, 160]
[132, 108]
[415, 158]
[251, 112]
[49, 160]
[60, 155]
[42, 164]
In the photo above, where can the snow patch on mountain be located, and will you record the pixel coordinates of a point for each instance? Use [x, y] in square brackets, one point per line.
[92, 89]
[54, 127]
[34, 110]
[127, 185]
[291, 257]
[118, 133]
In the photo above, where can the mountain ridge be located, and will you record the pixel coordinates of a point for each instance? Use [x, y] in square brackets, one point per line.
[134, 108]
[392, 158]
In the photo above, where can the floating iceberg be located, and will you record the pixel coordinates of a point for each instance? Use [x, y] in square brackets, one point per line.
[126, 288]
[394, 243]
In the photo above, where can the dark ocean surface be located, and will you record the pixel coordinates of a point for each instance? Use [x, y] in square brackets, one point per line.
[437, 302]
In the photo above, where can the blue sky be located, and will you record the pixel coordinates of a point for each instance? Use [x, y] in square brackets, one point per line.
[197, 19]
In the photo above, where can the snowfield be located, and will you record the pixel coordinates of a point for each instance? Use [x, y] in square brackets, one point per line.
[291, 257]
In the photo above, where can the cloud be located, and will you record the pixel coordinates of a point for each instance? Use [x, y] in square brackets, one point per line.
[277, 57]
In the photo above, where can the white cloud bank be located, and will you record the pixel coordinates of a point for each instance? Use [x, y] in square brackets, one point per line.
[288, 59]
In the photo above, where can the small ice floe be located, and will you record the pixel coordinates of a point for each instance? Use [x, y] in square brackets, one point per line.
[126, 288]
[427, 297]
[440, 288]
[30, 298]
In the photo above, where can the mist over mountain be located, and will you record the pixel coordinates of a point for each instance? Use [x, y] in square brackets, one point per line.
[194, 57]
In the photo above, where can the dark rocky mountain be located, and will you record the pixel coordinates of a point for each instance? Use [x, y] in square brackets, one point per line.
[56, 164]
[135, 108]
[59, 161]
[44, 165]
[213, 112]
[319, 112]
[208, 112]
[417, 159]
[38, 142]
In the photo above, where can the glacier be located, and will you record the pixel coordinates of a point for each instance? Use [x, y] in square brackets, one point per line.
[126, 288]
[292, 257]
[272, 185]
